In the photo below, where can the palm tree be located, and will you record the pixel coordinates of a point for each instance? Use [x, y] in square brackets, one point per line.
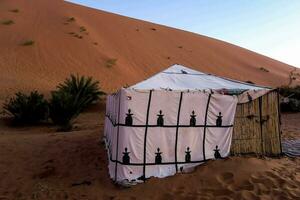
[71, 97]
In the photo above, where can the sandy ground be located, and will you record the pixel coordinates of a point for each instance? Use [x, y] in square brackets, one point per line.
[115, 50]
[40, 163]
[290, 126]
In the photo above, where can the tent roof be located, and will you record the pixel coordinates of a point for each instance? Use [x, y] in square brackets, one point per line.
[178, 77]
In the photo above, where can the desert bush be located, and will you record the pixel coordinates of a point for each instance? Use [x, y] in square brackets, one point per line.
[71, 19]
[87, 89]
[71, 97]
[25, 109]
[64, 108]
[15, 10]
[77, 36]
[288, 91]
[111, 62]
[28, 43]
[293, 103]
[82, 28]
[8, 22]
[264, 69]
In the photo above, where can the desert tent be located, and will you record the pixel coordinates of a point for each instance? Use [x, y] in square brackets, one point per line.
[173, 121]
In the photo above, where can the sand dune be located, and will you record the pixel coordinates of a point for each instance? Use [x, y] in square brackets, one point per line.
[116, 50]
[42, 42]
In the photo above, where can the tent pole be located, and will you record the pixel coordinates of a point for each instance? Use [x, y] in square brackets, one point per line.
[205, 124]
[177, 127]
[118, 128]
[145, 137]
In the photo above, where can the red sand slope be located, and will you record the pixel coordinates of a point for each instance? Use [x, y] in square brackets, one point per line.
[140, 48]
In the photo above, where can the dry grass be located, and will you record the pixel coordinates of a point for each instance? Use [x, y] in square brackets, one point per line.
[111, 62]
[71, 19]
[8, 22]
[82, 29]
[28, 43]
[77, 36]
[15, 10]
[264, 69]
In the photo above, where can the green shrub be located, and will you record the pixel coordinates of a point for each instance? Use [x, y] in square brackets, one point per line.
[28, 43]
[293, 95]
[111, 62]
[293, 105]
[82, 29]
[71, 19]
[25, 109]
[64, 108]
[8, 22]
[288, 91]
[87, 89]
[264, 69]
[71, 97]
[15, 10]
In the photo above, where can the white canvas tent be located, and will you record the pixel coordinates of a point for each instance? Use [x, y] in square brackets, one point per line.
[175, 120]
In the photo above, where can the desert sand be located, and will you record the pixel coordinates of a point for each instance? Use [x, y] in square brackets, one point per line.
[47, 40]
[40, 163]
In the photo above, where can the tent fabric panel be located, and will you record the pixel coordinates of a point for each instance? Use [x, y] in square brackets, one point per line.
[218, 137]
[137, 103]
[167, 102]
[223, 105]
[192, 138]
[199, 107]
[164, 139]
[131, 138]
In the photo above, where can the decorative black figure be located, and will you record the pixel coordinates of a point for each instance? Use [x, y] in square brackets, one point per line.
[217, 153]
[158, 157]
[219, 119]
[126, 158]
[184, 72]
[188, 155]
[128, 119]
[193, 119]
[160, 119]
[249, 96]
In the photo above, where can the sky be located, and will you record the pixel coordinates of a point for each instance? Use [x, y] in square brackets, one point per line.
[268, 27]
